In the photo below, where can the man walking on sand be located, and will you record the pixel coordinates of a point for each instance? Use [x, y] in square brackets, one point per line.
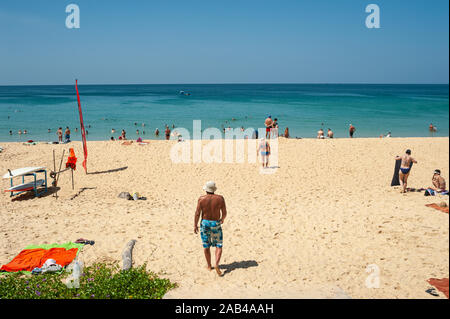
[209, 207]
[264, 150]
[405, 168]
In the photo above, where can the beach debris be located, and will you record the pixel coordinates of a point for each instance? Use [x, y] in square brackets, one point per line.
[127, 255]
[432, 292]
[84, 241]
[125, 195]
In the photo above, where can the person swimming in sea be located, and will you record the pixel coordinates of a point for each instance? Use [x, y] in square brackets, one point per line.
[405, 168]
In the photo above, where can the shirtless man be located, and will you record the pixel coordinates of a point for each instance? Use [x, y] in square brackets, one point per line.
[67, 134]
[438, 181]
[268, 123]
[167, 132]
[330, 133]
[264, 150]
[405, 168]
[210, 206]
[320, 134]
[351, 130]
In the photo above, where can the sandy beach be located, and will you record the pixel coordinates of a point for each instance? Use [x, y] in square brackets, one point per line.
[309, 230]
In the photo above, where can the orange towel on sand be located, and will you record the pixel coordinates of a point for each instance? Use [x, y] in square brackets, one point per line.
[29, 259]
[436, 206]
[440, 284]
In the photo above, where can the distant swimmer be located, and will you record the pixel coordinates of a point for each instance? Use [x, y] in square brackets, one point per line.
[20, 132]
[76, 129]
[388, 134]
[49, 130]
[123, 135]
[330, 133]
[137, 132]
[25, 132]
[157, 132]
[351, 130]
[286, 132]
[405, 168]
[113, 131]
[10, 132]
[143, 124]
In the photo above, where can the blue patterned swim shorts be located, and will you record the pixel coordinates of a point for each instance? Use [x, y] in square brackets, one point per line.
[211, 233]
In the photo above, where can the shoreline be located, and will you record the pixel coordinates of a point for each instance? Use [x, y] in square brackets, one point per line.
[281, 137]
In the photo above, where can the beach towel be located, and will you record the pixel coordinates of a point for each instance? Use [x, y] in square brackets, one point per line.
[35, 256]
[436, 206]
[395, 179]
[440, 284]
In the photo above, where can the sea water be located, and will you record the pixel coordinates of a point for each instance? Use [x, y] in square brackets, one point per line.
[403, 110]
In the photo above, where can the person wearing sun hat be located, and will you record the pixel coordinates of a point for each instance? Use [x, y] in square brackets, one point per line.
[211, 207]
[268, 123]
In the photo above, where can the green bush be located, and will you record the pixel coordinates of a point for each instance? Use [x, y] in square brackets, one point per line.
[99, 281]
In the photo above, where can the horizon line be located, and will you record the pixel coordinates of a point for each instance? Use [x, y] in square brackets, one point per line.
[234, 83]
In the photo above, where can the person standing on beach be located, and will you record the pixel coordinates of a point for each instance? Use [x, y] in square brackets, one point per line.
[286, 132]
[209, 208]
[123, 135]
[275, 128]
[320, 134]
[268, 123]
[167, 132]
[351, 130]
[405, 168]
[330, 133]
[67, 134]
[59, 133]
[264, 150]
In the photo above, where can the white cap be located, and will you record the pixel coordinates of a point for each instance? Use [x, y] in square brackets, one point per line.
[210, 187]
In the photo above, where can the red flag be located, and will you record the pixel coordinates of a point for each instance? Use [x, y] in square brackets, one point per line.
[83, 132]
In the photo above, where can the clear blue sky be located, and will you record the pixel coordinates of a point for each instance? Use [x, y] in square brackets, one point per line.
[224, 41]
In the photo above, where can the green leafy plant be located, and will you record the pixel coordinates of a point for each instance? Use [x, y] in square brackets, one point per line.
[99, 281]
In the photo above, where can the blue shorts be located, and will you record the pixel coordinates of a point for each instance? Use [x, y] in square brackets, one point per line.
[405, 170]
[211, 233]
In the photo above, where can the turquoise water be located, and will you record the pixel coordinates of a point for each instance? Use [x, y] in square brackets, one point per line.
[404, 110]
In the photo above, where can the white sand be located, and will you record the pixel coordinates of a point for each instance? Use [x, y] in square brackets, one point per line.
[309, 230]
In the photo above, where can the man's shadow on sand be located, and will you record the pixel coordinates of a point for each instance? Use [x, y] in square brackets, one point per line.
[238, 265]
